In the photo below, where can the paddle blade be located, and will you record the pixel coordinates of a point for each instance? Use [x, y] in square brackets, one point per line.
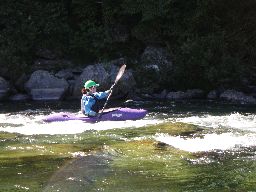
[120, 73]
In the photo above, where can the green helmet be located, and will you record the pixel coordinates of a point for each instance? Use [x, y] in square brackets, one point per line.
[89, 84]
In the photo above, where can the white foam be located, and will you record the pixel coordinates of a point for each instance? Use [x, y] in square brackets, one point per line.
[208, 142]
[32, 125]
[234, 120]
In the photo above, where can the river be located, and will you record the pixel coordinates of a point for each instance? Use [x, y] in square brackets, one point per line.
[178, 146]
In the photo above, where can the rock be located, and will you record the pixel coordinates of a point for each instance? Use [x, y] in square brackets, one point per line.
[19, 84]
[155, 67]
[96, 73]
[161, 95]
[106, 77]
[126, 84]
[65, 74]
[195, 94]
[4, 88]
[176, 95]
[252, 89]
[81, 173]
[213, 94]
[19, 97]
[189, 94]
[44, 86]
[47, 94]
[237, 97]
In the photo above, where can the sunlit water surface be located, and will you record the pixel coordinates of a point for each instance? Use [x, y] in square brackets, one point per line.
[226, 128]
[238, 123]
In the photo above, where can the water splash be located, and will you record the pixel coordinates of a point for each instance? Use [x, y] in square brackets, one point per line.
[209, 142]
[33, 124]
[233, 120]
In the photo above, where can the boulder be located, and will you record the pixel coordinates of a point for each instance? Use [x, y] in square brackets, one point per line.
[161, 95]
[189, 94]
[213, 94]
[4, 88]
[44, 86]
[126, 85]
[65, 74]
[154, 68]
[237, 97]
[177, 95]
[106, 76]
[96, 73]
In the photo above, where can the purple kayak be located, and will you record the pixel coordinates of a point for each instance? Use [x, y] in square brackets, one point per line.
[116, 114]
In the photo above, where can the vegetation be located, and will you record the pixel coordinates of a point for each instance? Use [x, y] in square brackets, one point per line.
[212, 42]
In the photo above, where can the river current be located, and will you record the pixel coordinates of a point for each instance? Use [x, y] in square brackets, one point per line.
[237, 123]
[227, 127]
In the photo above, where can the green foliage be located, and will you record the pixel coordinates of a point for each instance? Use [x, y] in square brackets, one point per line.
[26, 26]
[212, 42]
[204, 61]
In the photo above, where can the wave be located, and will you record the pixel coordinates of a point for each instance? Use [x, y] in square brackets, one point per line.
[233, 120]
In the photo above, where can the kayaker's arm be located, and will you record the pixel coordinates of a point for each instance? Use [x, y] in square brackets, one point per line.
[102, 95]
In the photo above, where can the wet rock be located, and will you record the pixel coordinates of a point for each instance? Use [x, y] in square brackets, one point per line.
[81, 174]
[237, 97]
[160, 145]
[44, 86]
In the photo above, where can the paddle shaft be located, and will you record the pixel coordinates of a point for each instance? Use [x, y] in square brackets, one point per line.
[119, 75]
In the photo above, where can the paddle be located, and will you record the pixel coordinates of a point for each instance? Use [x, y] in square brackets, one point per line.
[119, 75]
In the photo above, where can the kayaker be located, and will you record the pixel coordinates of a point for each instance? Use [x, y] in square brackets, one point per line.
[91, 101]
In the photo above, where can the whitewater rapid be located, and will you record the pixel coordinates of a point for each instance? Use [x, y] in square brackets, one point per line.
[34, 125]
[238, 131]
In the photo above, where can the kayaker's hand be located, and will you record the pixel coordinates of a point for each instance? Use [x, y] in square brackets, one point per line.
[108, 91]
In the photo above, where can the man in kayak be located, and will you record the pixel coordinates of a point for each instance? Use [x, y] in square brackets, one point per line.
[91, 101]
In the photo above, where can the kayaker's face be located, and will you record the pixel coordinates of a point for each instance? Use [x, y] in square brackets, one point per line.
[92, 89]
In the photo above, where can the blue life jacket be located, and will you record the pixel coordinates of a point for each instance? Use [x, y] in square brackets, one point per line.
[92, 103]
